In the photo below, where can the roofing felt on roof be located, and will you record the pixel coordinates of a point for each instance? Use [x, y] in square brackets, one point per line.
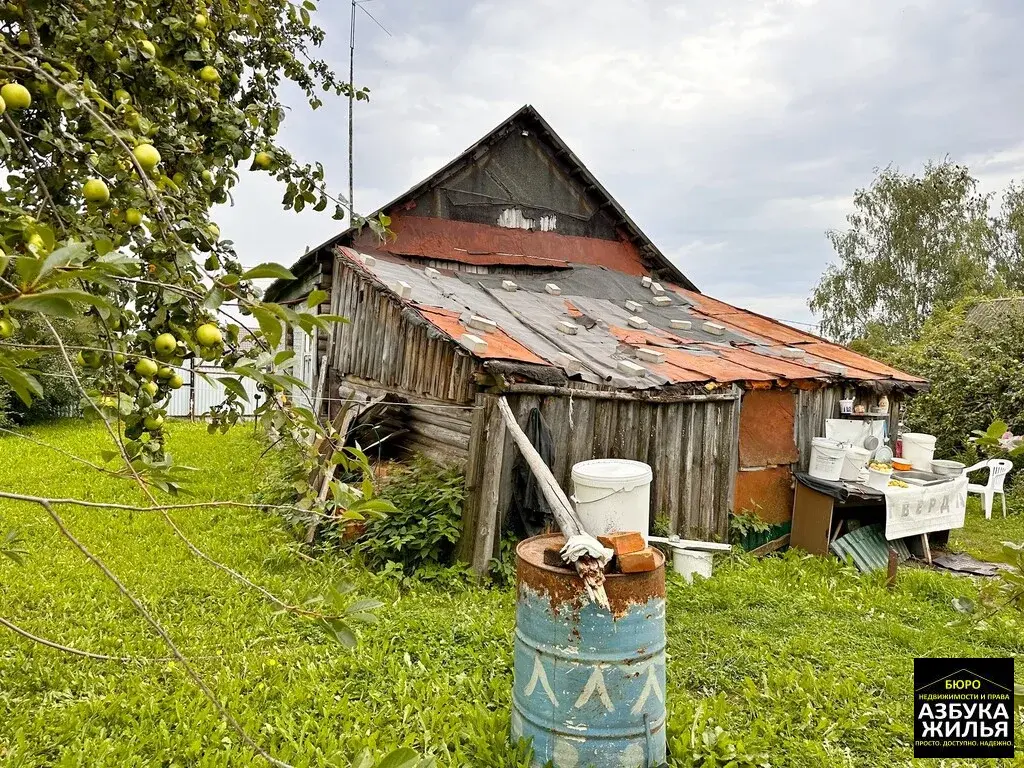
[744, 347]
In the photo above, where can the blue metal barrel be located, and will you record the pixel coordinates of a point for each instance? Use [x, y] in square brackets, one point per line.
[589, 686]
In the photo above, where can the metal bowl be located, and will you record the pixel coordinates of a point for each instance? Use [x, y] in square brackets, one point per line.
[948, 468]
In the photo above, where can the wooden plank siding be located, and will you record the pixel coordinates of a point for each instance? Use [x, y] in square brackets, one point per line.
[691, 446]
[383, 344]
[816, 405]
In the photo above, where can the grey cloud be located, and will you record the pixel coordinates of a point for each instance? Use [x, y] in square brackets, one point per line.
[734, 131]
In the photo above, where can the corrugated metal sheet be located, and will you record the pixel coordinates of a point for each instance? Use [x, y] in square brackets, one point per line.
[595, 299]
[868, 548]
[207, 394]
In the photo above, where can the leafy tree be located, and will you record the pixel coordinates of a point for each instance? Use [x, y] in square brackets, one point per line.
[121, 125]
[976, 372]
[914, 244]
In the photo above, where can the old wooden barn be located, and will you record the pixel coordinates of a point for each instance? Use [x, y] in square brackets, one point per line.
[512, 271]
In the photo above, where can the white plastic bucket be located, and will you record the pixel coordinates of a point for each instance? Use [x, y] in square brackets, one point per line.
[690, 561]
[846, 406]
[853, 462]
[878, 480]
[612, 495]
[826, 459]
[919, 450]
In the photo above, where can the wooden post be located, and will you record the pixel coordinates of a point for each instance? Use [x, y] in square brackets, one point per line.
[894, 562]
[487, 492]
[474, 473]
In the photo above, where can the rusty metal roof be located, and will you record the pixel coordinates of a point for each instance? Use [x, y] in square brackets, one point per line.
[738, 346]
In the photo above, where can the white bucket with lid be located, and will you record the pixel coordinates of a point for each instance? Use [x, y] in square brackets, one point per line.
[612, 495]
[854, 462]
[919, 450]
[826, 459]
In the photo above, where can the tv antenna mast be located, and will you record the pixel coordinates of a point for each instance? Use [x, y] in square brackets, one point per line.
[352, 94]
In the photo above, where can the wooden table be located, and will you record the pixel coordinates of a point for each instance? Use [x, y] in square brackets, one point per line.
[820, 508]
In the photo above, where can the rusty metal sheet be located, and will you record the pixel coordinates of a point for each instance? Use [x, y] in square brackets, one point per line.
[500, 345]
[472, 243]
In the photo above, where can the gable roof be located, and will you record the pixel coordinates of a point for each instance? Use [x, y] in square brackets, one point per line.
[524, 119]
[588, 327]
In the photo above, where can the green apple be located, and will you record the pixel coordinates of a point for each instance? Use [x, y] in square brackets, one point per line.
[147, 155]
[146, 368]
[95, 191]
[209, 335]
[165, 344]
[16, 96]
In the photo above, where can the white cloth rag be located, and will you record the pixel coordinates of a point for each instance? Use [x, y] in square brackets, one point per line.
[585, 544]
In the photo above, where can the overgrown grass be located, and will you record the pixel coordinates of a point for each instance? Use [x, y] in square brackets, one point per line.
[797, 659]
[983, 538]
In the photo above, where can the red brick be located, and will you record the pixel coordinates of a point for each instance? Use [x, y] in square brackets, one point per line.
[767, 428]
[770, 488]
[623, 542]
[637, 562]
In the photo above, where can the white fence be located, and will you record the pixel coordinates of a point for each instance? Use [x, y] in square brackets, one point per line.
[197, 395]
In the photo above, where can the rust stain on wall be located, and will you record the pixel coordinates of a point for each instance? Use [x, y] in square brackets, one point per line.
[770, 488]
[767, 433]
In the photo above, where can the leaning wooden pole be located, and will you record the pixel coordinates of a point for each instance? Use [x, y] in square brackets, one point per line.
[561, 508]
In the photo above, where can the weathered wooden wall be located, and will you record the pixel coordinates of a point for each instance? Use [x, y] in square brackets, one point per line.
[816, 405]
[383, 344]
[691, 445]
[433, 428]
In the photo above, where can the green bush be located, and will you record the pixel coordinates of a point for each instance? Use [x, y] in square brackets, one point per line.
[423, 531]
[60, 394]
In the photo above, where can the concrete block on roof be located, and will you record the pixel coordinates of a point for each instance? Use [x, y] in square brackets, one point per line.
[566, 327]
[793, 352]
[649, 355]
[630, 368]
[402, 288]
[569, 363]
[645, 281]
[474, 344]
[835, 368]
[661, 301]
[431, 272]
[634, 306]
[638, 322]
[482, 324]
[680, 325]
[657, 289]
[553, 289]
[368, 261]
[713, 328]
[508, 285]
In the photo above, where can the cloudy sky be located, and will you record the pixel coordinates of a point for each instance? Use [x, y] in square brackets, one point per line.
[733, 131]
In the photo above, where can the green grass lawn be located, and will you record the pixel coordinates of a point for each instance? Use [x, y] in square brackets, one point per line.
[800, 661]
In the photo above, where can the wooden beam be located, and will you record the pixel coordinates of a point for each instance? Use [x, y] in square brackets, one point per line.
[638, 395]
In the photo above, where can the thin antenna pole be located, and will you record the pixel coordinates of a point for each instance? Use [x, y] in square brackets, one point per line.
[351, 103]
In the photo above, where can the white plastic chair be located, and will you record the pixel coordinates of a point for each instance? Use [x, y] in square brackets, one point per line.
[998, 469]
